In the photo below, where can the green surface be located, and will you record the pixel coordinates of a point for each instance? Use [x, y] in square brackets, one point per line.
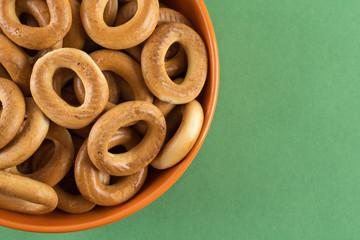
[281, 160]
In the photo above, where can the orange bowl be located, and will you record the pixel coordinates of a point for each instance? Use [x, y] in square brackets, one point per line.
[158, 181]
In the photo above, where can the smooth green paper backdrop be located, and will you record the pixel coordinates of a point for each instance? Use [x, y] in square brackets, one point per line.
[281, 160]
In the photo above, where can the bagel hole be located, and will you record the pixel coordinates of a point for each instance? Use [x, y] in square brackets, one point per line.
[90, 46]
[123, 15]
[172, 51]
[173, 121]
[28, 19]
[25, 167]
[117, 149]
[176, 61]
[4, 73]
[30, 52]
[38, 160]
[126, 92]
[114, 179]
[67, 91]
[68, 183]
[82, 132]
[114, 86]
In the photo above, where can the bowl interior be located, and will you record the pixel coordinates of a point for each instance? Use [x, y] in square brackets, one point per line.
[158, 181]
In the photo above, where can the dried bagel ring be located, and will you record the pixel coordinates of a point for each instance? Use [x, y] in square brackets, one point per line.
[122, 65]
[30, 137]
[16, 64]
[184, 138]
[36, 37]
[13, 110]
[177, 63]
[39, 10]
[76, 36]
[54, 169]
[88, 180]
[63, 114]
[42, 155]
[128, 35]
[124, 115]
[25, 195]
[153, 67]
[61, 77]
[126, 92]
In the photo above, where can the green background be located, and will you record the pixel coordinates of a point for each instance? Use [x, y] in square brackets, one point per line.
[281, 160]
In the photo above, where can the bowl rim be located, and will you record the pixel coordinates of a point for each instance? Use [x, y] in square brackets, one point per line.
[214, 66]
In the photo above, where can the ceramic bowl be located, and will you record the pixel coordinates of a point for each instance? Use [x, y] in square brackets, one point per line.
[158, 181]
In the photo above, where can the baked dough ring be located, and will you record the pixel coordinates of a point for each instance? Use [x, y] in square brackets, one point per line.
[89, 183]
[184, 138]
[12, 112]
[122, 65]
[39, 10]
[30, 137]
[153, 67]
[128, 35]
[36, 38]
[124, 115]
[25, 195]
[63, 114]
[16, 64]
[54, 169]
[175, 63]
[76, 36]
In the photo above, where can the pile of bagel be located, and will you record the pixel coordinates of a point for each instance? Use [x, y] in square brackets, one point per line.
[93, 92]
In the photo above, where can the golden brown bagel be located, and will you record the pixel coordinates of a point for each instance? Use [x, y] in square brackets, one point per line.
[56, 108]
[124, 115]
[175, 62]
[128, 35]
[184, 138]
[88, 180]
[39, 10]
[25, 195]
[153, 66]
[36, 37]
